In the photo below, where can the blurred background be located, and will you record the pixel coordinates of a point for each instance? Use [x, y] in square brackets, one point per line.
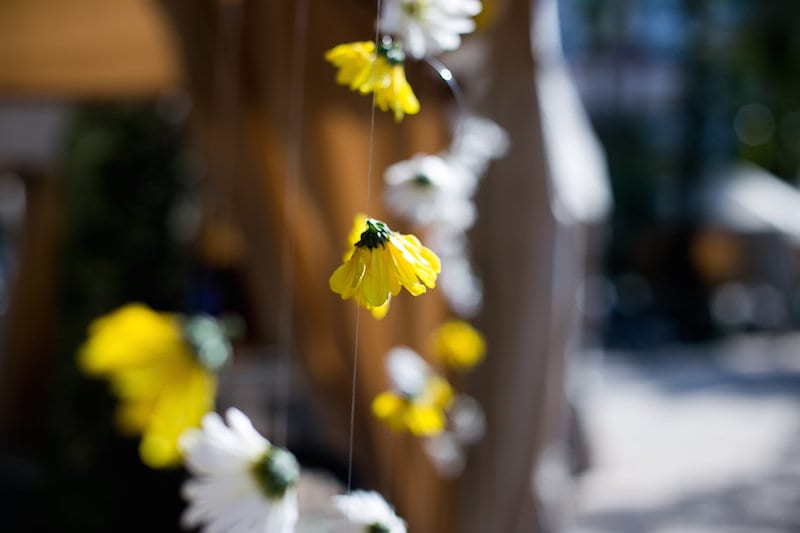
[682, 383]
[694, 408]
[694, 103]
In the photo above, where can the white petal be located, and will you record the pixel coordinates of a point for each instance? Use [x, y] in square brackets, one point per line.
[415, 41]
[366, 508]
[243, 429]
[407, 370]
[223, 495]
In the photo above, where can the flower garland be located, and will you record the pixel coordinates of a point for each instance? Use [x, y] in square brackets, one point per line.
[434, 192]
[162, 367]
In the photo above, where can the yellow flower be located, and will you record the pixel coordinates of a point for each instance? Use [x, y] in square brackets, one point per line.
[422, 415]
[419, 397]
[366, 71]
[458, 345]
[157, 375]
[379, 263]
[359, 225]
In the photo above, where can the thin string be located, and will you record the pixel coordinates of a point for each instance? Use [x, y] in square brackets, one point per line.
[291, 199]
[358, 309]
[226, 97]
[371, 150]
[353, 409]
[372, 114]
[447, 76]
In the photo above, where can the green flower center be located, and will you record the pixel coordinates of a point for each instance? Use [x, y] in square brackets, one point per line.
[413, 8]
[422, 180]
[208, 340]
[378, 528]
[276, 472]
[376, 234]
[391, 50]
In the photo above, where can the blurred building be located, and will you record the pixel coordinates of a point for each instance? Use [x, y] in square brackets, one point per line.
[678, 91]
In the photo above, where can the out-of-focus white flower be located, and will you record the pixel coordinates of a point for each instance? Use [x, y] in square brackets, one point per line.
[429, 189]
[457, 281]
[315, 492]
[436, 191]
[408, 372]
[241, 483]
[429, 27]
[418, 399]
[460, 285]
[370, 511]
[478, 141]
[467, 419]
[466, 426]
[446, 454]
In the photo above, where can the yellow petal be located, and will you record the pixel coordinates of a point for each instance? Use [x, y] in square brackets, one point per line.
[424, 420]
[438, 393]
[425, 262]
[182, 406]
[389, 407]
[359, 226]
[346, 279]
[458, 344]
[394, 280]
[132, 416]
[354, 61]
[375, 286]
[348, 52]
[405, 266]
[380, 311]
[128, 336]
[404, 99]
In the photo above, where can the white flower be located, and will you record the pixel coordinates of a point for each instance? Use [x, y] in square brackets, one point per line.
[478, 141]
[315, 492]
[458, 282]
[429, 189]
[467, 419]
[446, 454]
[408, 372]
[429, 27]
[466, 426]
[241, 483]
[460, 285]
[436, 191]
[369, 510]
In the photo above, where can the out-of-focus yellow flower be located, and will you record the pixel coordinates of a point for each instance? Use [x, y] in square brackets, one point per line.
[366, 71]
[157, 375]
[458, 345]
[422, 415]
[380, 262]
[419, 398]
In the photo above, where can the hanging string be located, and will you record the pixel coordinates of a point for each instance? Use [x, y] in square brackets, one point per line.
[282, 392]
[353, 409]
[226, 97]
[358, 308]
[461, 107]
[372, 117]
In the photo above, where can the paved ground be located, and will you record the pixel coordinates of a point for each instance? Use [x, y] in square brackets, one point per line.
[695, 440]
